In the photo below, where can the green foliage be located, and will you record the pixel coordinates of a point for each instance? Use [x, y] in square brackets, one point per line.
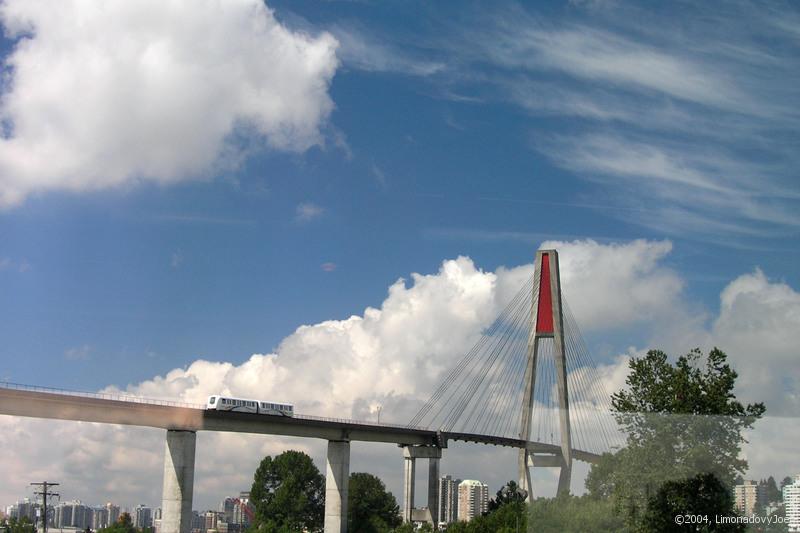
[288, 493]
[773, 493]
[702, 495]
[574, 514]
[507, 518]
[370, 507]
[124, 524]
[23, 525]
[510, 493]
[681, 421]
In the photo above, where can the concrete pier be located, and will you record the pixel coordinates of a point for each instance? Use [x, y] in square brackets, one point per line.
[336, 486]
[410, 454]
[409, 467]
[176, 505]
[433, 490]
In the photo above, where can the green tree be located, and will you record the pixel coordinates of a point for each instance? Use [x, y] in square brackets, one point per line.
[370, 507]
[574, 514]
[288, 493]
[681, 420]
[772, 491]
[23, 525]
[702, 495]
[124, 524]
[510, 493]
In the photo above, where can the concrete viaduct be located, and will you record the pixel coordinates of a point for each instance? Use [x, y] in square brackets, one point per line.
[182, 421]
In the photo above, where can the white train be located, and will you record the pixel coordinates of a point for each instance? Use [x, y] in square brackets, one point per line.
[240, 405]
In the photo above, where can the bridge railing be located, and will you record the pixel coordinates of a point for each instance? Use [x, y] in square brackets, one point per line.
[99, 395]
[360, 422]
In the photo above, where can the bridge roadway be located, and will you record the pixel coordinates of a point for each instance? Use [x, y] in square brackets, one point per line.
[185, 417]
[183, 421]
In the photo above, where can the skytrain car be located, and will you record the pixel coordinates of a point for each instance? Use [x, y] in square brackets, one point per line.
[241, 405]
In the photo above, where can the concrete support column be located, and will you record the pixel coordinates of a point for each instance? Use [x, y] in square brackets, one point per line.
[411, 454]
[433, 489]
[336, 486]
[176, 504]
[408, 487]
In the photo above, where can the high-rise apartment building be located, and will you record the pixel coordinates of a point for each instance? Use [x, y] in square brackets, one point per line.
[748, 496]
[791, 504]
[23, 508]
[99, 518]
[142, 516]
[212, 518]
[448, 499]
[473, 499]
[242, 513]
[226, 507]
[197, 522]
[113, 512]
[73, 514]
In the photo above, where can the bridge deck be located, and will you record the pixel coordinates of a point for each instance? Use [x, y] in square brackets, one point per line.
[167, 415]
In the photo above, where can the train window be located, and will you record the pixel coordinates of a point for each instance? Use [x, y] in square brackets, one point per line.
[212, 400]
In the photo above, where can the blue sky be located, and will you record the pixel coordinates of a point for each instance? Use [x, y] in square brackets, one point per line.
[453, 133]
[153, 212]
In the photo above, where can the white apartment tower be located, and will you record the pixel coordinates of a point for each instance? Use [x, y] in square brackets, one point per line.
[791, 503]
[748, 495]
[473, 499]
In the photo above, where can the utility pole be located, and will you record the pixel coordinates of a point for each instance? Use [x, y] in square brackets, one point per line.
[45, 493]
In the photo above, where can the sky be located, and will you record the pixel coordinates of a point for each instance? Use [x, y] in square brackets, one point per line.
[313, 201]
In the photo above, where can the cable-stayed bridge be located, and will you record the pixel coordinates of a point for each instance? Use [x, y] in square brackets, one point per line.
[528, 383]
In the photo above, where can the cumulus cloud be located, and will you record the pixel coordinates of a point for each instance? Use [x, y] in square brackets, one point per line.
[109, 95]
[391, 357]
[618, 283]
[759, 326]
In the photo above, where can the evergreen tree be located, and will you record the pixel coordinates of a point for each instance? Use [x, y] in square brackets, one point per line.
[773, 493]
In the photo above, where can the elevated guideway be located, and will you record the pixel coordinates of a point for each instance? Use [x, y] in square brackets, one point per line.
[40, 402]
[528, 383]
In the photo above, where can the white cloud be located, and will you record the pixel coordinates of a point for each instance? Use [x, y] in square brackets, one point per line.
[759, 327]
[78, 353]
[176, 259]
[111, 95]
[363, 52]
[684, 119]
[611, 285]
[598, 55]
[394, 356]
[308, 211]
